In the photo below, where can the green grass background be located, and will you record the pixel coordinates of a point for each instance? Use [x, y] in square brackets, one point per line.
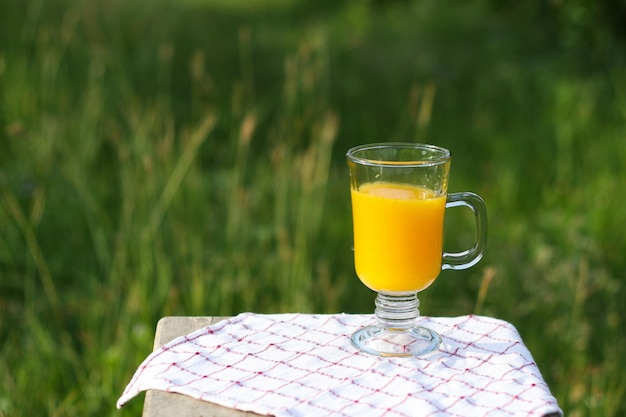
[187, 158]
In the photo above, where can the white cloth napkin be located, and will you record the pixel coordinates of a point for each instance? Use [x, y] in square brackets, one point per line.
[305, 365]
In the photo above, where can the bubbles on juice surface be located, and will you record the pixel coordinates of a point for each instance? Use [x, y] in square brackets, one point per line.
[397, 191]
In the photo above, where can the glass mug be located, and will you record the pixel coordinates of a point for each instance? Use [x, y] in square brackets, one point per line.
[399, 194]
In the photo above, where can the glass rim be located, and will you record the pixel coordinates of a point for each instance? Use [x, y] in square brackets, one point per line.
[437, 156]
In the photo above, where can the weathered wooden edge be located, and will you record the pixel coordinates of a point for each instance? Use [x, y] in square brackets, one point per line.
[169, 328]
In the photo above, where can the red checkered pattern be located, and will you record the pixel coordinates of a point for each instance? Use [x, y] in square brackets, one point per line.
[305, 365]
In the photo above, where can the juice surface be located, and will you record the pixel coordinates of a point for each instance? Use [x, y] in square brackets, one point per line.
[398, 236]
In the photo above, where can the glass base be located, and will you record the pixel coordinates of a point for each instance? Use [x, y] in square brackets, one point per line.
[382, 341]
[397, 332]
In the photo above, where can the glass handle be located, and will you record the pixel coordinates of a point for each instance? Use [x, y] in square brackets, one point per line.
[470, 257]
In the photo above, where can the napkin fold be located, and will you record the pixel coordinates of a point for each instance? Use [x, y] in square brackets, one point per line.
[305, 365]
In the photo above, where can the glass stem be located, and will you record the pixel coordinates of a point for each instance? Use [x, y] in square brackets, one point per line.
[398, 311]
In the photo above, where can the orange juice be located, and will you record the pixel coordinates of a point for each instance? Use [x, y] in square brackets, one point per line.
[398, 236]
